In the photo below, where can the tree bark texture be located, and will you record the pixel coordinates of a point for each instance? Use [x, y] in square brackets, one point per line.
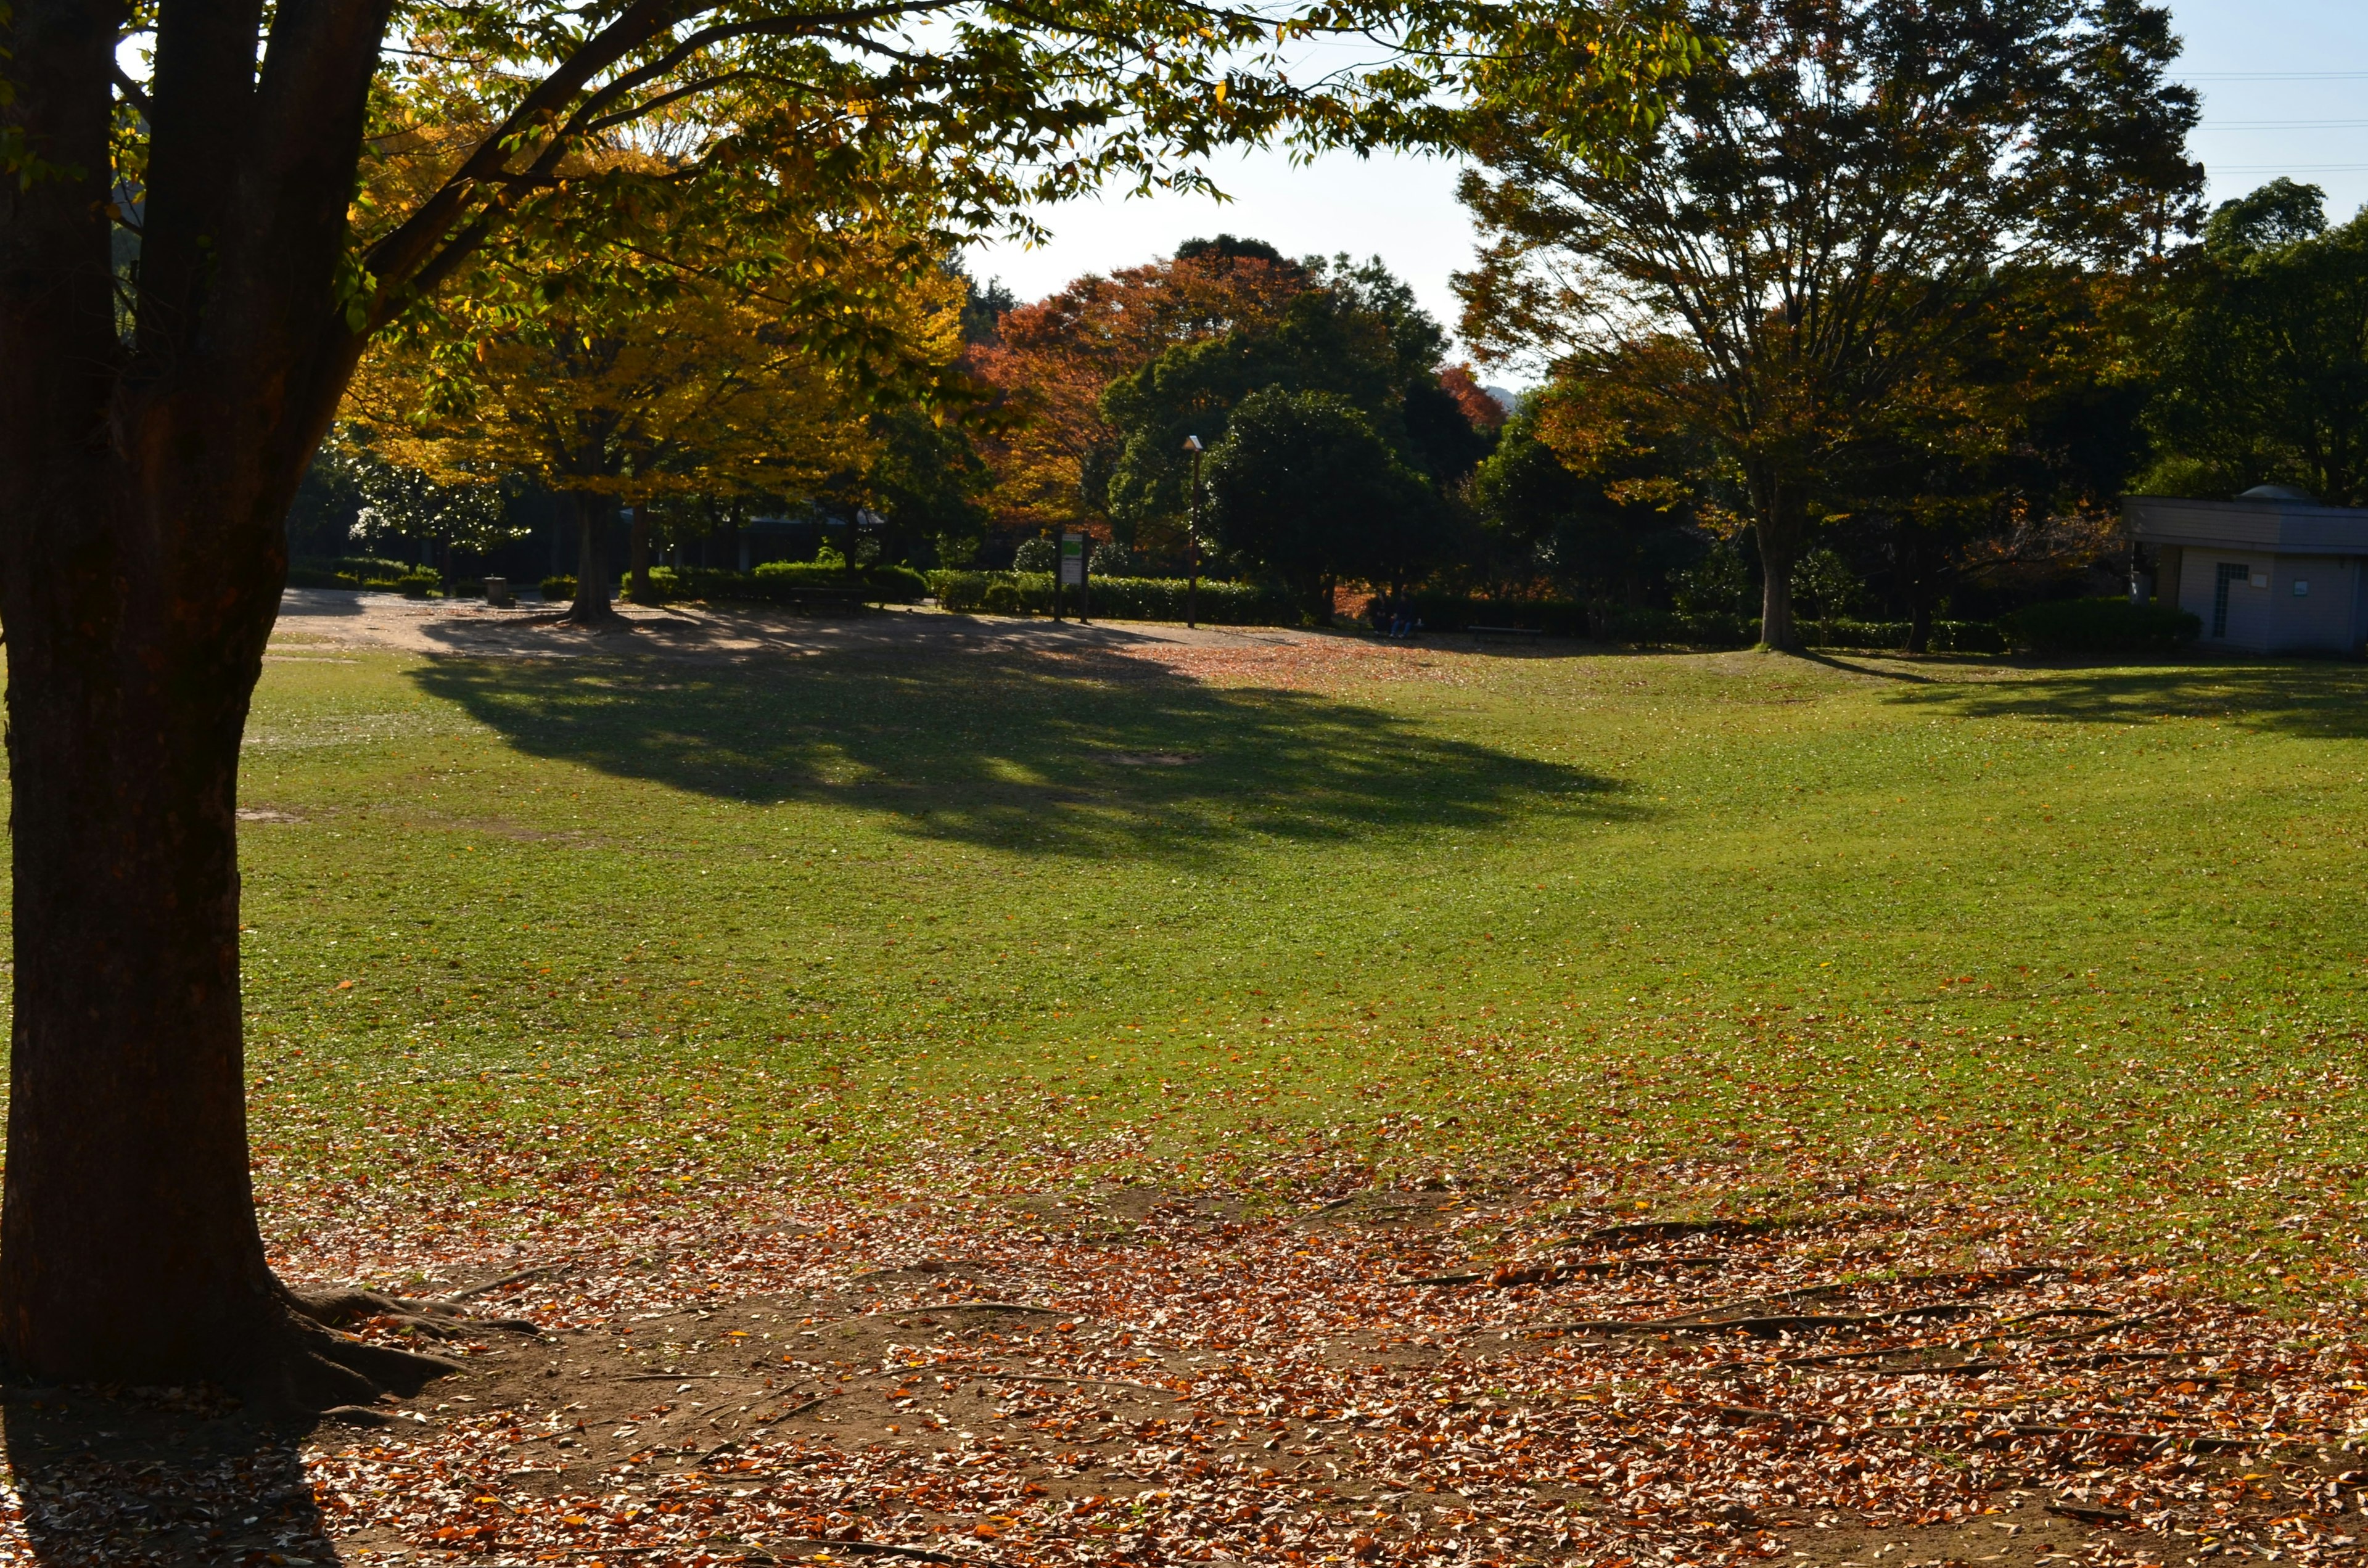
[145, 481]
[640, 557]
[591, 513]
[1777, 526]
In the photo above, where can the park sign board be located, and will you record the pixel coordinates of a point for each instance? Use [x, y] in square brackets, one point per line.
[1073, 560]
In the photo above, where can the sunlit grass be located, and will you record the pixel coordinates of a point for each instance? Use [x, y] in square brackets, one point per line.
[2093, 937]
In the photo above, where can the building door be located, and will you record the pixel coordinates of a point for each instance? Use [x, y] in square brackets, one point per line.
[2220, 579]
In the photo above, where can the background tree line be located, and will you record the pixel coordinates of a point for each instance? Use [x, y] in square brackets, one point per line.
[1878, 312]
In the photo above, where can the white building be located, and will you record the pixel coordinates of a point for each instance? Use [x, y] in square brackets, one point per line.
[2272, 572]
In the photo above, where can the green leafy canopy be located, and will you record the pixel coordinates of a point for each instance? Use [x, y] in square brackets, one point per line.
[599, 129]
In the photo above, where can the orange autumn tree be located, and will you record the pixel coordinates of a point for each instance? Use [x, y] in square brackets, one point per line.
[1054, 359]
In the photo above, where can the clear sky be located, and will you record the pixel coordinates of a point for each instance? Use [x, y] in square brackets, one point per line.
[2285, 91]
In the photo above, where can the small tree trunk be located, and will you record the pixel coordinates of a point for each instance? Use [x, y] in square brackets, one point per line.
[1777, 629]
[1777, 528]
[641, 556]
[591, 607]
[1919, 625]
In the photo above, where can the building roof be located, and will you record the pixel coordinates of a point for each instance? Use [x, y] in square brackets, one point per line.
[2280, 526]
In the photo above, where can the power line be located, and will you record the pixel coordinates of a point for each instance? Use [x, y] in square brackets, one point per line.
[2275, 76]
[2283, 125]
[2284, 168]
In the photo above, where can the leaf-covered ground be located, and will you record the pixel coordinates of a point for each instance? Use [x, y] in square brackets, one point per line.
[1539, 1373]
[725, 966]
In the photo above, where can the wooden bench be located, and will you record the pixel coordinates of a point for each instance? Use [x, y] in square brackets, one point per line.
[1532, 632]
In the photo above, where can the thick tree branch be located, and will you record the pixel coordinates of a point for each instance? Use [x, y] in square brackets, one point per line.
[395, 259]
[134, 93]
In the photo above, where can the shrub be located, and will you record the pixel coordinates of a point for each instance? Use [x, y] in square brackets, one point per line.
[374, 570]
[1673, 628]
[785, 582]
[1035, 555]
[349, 572]
[2101, 626]
[787, 579]
[1947, 636]
[1676, 629]
[1113, 598]
[559, 590]
[962, 592]
[1164, 599]
[418, 585]
[1967, 637]
[1455, 612]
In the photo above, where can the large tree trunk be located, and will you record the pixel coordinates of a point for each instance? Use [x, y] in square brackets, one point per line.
[591, 512]
[143, 489]
[129, 1240]
[641, 556]
[129, 1245]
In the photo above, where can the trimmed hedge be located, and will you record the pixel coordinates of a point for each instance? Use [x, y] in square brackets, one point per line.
[1668, 628]
[1114, 598]
[1569, 618]
[1889, 636]
[358, 571]
[776, 582]
[2101, 626]
[1664, 628]
[1456, 612]
[787, 582]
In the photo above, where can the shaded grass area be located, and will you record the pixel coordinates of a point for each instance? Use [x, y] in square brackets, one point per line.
[2091, 936]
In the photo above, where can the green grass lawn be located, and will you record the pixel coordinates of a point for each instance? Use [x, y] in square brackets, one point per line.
[2091, 936]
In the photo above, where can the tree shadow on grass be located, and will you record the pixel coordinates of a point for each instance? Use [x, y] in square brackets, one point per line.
[2320, 700]
[164, 1477]
[1087, 753]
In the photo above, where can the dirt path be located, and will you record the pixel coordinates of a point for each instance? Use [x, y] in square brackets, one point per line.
[315, 620]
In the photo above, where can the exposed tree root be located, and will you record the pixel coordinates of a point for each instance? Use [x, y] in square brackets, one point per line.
[320, 1367]
[453, 1297]
[436, 1317]
[1638, 1232]
[603, 618]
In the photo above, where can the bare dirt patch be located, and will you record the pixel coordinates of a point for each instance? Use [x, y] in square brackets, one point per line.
[1129, 1374]
[319, 624]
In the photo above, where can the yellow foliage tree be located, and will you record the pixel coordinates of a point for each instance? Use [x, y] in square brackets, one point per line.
[694, 366]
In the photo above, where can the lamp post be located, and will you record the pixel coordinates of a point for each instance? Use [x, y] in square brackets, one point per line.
[1192, 537]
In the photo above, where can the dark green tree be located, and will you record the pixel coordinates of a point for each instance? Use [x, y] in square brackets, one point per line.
[1356, 334]
[928, 486]
[2261, 354]
[1999, 469]
[1829, 206]
[1305, 489]
[1609, 532]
